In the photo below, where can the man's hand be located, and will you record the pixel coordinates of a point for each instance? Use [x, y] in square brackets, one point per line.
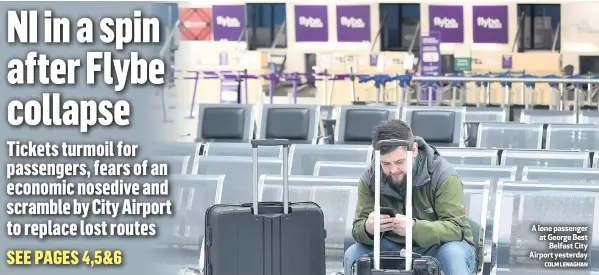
[386, 223]
[401, 222]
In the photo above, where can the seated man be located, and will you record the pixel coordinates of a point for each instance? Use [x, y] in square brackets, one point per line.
[440, 226]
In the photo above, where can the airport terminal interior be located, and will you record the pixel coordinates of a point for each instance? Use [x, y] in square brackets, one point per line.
[508, 94]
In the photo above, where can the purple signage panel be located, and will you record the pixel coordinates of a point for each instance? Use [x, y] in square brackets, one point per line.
[490, 24]
[506, 62]
[430, 61]
[353, 23]
[228, 22]
[311, 23]
[373, 59]
[430, 54]
[448, 21]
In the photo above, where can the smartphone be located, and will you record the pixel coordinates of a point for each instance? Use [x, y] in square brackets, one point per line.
[387, 211]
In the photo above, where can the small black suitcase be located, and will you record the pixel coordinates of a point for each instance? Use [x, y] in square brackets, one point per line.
[394, 263]
[265, 238]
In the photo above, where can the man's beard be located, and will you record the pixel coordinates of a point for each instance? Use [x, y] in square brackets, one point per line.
[393, 181]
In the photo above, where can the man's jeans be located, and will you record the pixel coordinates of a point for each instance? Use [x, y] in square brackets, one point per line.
[456, 258]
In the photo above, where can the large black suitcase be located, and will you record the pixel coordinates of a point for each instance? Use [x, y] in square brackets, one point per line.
[265, 238]
[394, 263]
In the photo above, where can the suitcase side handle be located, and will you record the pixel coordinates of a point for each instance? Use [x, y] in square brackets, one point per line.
[270, 142]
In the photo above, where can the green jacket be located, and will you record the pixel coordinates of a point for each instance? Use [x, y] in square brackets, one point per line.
[438, 198]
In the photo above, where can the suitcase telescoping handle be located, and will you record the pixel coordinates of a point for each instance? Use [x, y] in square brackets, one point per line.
[377, 200]
[270, 142]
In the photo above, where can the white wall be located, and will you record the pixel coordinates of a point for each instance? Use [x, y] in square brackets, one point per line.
[580, 31]
[580, 27]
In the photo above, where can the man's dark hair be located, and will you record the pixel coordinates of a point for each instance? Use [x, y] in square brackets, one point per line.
[391, 129]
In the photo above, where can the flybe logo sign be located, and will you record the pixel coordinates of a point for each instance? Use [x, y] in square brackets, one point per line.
[311, 22]
[445, 22]
[352, 22]
[228, 22]
[489, 23]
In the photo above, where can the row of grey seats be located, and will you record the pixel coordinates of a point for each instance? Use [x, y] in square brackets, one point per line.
[557, 116]
[514, 135]
[527, 173]
[351, 160]
[303, 157]
[537, 129]
[302, 123]
[442, 126]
